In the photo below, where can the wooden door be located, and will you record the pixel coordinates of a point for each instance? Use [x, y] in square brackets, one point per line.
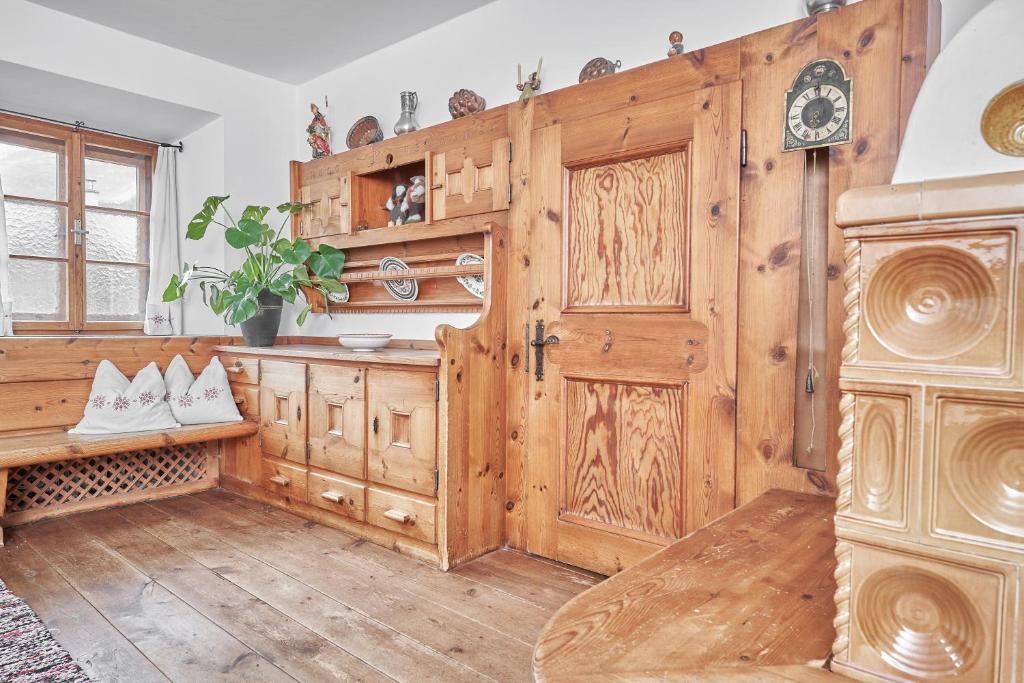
[337, 419]
[283, 409]
[330, 212]
[470, 179]
[402, 429]
[633, 239]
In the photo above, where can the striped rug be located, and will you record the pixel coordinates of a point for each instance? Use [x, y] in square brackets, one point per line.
[28, 652]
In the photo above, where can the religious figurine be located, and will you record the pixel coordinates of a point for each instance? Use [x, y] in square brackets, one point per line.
[415, 199]
[396, 206]
[319, 134]
[676, 39]
[532, 85]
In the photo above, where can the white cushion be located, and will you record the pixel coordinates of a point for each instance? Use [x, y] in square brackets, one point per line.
[200, 401]
[117, 405]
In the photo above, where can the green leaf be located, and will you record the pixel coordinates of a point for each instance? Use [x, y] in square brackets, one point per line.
[328, 261]
[284, 287]
[331, 285]
[301, 275]
[255, 213]
[242, 311]
[292, 207]
[301, 320]
[175, 289]
[213, 203]
[201, 221]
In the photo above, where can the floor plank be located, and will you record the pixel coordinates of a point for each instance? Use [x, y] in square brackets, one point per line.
[180, 641]
[101, 650]
[478, 647]
[296, 650]
[213, 586]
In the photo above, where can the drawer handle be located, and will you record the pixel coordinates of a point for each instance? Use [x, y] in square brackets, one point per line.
[280, 480]
[239, 400]
[333, 496]
[398, 516]
[234, 370]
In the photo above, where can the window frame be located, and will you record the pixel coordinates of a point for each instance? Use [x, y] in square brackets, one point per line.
[71, 172]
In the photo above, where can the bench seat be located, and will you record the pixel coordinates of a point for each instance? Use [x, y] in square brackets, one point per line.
[749, 597]
[44, 447]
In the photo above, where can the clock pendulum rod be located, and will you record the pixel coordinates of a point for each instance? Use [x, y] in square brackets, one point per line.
[811, 213]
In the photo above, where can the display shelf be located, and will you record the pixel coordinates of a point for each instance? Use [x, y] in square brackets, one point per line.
[418, 232]
[414, 273]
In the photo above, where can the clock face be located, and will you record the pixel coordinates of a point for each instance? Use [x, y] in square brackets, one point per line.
[818, 113]
[818, 107]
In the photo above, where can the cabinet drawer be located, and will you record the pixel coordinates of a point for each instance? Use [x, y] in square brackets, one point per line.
[402, 514]
[284, 480]
[240, 369]
[338, 495]
[247, 398]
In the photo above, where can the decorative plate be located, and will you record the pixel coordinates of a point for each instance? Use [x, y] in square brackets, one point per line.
[1002, 124]
[474, 284]
[341, 297]
[365, 131]
[403, 290]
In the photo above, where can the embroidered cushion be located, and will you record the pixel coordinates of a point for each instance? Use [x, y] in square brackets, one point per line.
[203, 400]
[117, 405]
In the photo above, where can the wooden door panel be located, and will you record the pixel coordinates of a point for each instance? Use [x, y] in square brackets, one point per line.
[402, 429]
[633, 237]
[627, 234]
[470, 180]
[283, 409]
[337, 419]
[330, 212]
[623, 467]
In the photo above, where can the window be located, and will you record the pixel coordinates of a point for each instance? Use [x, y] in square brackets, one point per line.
[77, 206]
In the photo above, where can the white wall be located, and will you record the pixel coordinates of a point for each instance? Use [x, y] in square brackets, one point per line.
[480, 49]
[244, 153]
[943, 137]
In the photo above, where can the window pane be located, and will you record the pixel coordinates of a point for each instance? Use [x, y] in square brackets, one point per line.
[29, 172]
[116, 237]
[36, 229]
[114, 186]
[115, 292]
[40, 289]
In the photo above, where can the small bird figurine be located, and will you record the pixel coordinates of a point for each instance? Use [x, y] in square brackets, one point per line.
[532, 84]
[676, 40]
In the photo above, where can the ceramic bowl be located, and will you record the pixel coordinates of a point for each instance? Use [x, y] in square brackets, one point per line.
[364, 342]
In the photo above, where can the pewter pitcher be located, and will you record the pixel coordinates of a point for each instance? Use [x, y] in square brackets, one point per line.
[407, 121]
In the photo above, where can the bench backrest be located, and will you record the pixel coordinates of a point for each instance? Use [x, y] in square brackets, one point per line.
[45, 381]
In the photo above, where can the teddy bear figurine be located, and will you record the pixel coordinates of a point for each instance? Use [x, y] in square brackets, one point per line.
[416, 199]
[396, 206]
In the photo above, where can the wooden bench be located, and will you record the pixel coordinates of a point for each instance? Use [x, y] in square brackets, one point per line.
[748, 598]
[115, 469]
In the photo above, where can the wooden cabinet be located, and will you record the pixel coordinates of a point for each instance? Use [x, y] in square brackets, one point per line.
[403, 514]
[337, 419]
[403, 430]
[283, 409]
[284, 480]
[471, 179]
[338, 495]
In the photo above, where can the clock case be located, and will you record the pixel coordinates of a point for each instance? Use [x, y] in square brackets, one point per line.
[830, 73]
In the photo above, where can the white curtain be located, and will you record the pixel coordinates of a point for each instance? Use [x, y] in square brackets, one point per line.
[164, 260]
[6, 298]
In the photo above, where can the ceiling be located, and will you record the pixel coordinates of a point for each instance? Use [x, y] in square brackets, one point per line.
[42, 93]
[289, 40]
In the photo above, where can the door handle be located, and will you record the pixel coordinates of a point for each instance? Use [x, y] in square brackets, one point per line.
[538, 344]
[333, 496]
[280, 480]
[376, 424]
[398, 516]
[78, 232]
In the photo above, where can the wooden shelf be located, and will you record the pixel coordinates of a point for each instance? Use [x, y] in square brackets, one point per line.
[414, 273]
[417, 232]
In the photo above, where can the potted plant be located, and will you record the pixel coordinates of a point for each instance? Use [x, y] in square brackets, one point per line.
[274, 269]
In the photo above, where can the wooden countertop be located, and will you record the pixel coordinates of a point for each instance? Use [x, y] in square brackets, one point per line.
[387, 355]
[749, 593]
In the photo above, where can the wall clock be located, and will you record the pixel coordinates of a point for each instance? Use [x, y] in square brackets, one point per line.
[819, 108]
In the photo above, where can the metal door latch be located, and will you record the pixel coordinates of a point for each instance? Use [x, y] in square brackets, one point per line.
[538, 344]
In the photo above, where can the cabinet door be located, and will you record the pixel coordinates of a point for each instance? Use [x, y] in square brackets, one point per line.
[337, 419]
[330, 213]
[403, 429]
[283, 409]
[469, 180]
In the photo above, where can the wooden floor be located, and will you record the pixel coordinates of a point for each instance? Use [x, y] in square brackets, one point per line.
[217, 587]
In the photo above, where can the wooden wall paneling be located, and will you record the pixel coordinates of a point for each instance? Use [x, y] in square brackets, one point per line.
[922, 40]
[471, 421]
[770, 220]
[518, 325]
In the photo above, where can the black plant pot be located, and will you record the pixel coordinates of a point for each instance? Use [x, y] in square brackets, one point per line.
[261, 329]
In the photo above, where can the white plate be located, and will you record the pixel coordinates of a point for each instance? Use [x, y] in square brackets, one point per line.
[474, 284]
[403, 290]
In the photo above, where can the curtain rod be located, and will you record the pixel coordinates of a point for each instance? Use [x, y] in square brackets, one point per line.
[80, 125]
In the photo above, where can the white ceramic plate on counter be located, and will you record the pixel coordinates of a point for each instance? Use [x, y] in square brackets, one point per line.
[364, 341]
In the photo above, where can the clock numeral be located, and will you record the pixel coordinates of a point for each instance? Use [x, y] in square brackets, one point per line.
[837, 119]
[840, 109]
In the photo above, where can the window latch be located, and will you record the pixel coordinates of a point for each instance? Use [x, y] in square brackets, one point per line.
[78, 232]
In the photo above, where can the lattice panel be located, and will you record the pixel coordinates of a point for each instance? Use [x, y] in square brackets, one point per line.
[51, 484]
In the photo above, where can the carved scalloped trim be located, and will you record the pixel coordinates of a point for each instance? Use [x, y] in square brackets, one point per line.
[841, 622]
[844, 477]
[851, 301]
